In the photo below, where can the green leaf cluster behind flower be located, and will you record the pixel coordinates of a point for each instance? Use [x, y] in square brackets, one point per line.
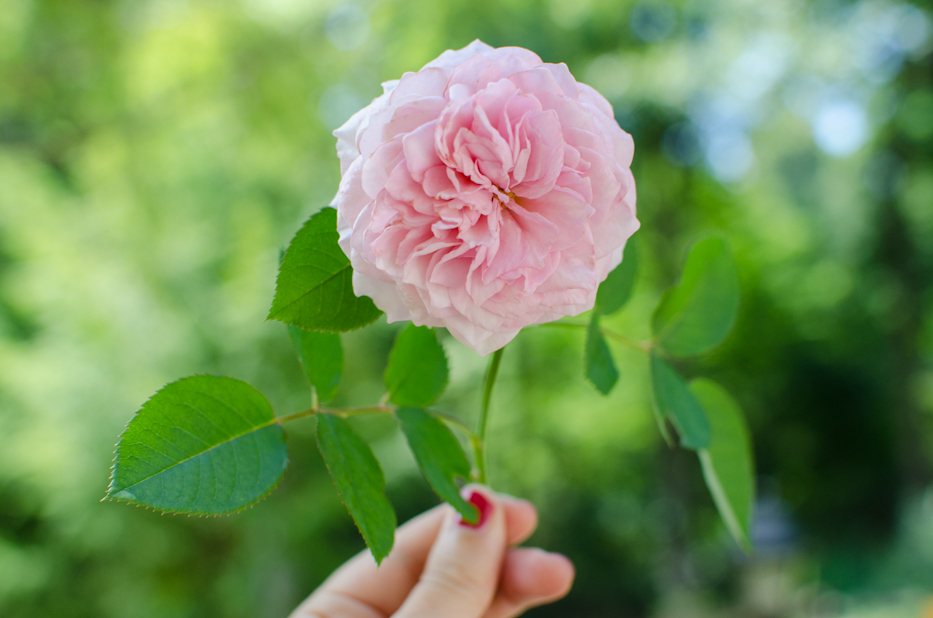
[691, 318]
[211, 445]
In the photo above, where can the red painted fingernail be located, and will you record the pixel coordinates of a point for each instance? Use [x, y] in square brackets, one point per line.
[483, 505]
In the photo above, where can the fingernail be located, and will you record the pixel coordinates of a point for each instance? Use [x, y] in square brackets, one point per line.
[483, 505]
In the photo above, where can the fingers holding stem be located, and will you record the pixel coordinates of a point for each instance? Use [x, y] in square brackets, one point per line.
[441, 566]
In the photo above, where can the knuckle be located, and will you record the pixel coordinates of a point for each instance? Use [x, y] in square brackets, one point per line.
[327, 604]
[453, 580]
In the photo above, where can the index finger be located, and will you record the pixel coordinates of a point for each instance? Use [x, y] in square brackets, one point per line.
[385, 588]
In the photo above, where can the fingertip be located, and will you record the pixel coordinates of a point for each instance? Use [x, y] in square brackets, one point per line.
[562, 574]
[487, 503]
[463, 567]
[532, 576]
[510, 499]
[521, 518]
[484, 508]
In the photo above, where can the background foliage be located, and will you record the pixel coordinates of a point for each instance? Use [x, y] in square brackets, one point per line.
[155, 155]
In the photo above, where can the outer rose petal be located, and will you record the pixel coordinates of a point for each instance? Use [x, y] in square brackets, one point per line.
[451, 59]
[351, 200]
[348, 135]
[484, 193]
[484, 342]
[391, 301]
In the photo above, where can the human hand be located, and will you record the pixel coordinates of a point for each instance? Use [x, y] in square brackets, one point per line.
[442, 567]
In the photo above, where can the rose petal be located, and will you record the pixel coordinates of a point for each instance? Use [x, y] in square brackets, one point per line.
[484, 193]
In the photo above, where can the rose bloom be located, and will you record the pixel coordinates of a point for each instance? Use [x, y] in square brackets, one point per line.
[484, 193]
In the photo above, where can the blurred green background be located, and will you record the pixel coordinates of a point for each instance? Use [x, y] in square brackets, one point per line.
[155, 155]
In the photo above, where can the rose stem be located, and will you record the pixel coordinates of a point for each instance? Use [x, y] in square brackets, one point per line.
[479, 440]
[379, 409]
[338, 411]
[644, 346]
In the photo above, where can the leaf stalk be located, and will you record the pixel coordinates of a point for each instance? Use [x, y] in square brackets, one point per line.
[643, 346]
[479, 438]
[377, 409]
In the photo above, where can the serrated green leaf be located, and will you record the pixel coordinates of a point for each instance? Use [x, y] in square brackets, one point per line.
[615, 291]
[600, 368]
[417, 371]
[360, 481]
[674, 400]
[439, 456]
[205, 445]
[314, 288]
[699, 312]
[728, 464]
[321, 356]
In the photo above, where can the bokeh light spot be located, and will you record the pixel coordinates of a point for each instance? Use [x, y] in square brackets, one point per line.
[347, 27]
[730, 155]
[653, 21]
[681, 144]
[569, 13]
[840, 127]
[337, 104]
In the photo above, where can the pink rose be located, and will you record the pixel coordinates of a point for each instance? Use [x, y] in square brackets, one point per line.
[484, 193]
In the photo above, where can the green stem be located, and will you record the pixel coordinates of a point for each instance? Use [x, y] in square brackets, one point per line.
[479, 439]
[644, 346]
[454, 421]
[378, 409]
[357, 411]
[338, 411]
[291, 417]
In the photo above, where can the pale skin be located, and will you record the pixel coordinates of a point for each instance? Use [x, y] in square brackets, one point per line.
[442, 568]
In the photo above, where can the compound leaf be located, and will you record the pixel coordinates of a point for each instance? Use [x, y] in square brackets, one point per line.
[439, 456]
[204, 444]
[360, 481]
[728, 465]
[417, 372]
[615, 291]
[674, 400]
[699, 312]
[600, 368]
[314, 288]
[321, 356]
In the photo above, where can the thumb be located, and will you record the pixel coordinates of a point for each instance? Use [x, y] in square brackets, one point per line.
[461, 574]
